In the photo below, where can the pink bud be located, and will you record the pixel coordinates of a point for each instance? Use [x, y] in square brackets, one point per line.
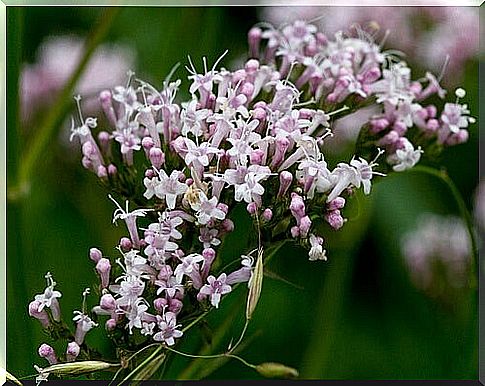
[252, 208]
[389, 139]
[86, 162]
[104, 138]
[107, 302]
[337, 203]
[102, 172]
[147, 143]
[47, 352]
[254, 38]
[112, 170]
[260, 105]
[107, 106]
[335, 219]
[259, 113]
[126, 244]
[157, 158]
[72, 351]
[104, 267]
[95, 254]
[223, 207]
[297, 207]
[175, 306]
[415, 88]
[285, 181]
[432, 125]
[305, 224]
[267, 214]
[110, 324]
[247, 89]
[149, 173]
[378, 125]
[160, 304]
[295, 231]
[251, 65]
[88, 149]
[41, 316]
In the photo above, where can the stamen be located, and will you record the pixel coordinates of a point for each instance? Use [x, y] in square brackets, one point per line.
[218, 60]
[77, 98]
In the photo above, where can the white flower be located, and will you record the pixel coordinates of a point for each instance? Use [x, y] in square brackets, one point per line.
[206, 209]
[168, 329]
[407, 157]
[170, 187]
[189, 264]
[316, 251]
[135, 314]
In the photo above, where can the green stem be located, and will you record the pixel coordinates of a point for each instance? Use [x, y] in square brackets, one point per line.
[465, 214]
[54, 116]
[212, 356]
[141, 365]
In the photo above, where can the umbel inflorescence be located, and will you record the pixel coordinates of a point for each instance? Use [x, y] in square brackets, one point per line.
[175, 170]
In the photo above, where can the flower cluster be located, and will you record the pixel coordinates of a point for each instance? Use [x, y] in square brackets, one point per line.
[355, 70]
[251, 137]
[430, 33]
[438, 246]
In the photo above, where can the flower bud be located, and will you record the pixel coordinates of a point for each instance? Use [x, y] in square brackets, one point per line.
[110, 324]
[276, 370]
[107, 302]
[41, 316]
[160, 304]
[126, 244]
[104, 267]
[267, 214]
[175, 306]
[112, 170]
[335, 219]
[295, 232]
[72, 351]
[255, 285]
[305, 224]
[337, 203]
[95, 254]
[252, 208]
[157, 158]
[102, 172]
[47, 352]
[285, 181]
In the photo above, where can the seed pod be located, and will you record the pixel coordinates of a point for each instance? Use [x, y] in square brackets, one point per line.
[256, 282]
[276, 370]
[76, 368]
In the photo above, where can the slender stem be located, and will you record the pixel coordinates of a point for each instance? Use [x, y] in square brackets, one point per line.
[465, 214]
[141, 365]
[54, 116]
[241, 359]
[241, 337]
[212, 356]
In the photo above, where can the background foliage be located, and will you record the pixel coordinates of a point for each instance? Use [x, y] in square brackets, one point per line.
[356, 316]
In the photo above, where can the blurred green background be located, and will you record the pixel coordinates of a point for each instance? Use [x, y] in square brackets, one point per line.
[357, 316]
